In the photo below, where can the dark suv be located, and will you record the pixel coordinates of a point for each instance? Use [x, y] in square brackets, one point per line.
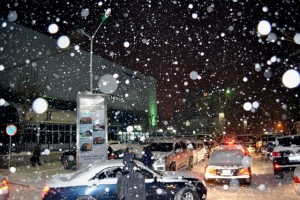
[286, 155]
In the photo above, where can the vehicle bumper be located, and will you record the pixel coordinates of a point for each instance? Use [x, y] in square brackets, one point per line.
[160, 167]
[243, 178]
[283, 168]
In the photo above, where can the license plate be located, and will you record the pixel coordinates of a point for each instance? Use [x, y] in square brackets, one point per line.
[294, 158]
[226, 172]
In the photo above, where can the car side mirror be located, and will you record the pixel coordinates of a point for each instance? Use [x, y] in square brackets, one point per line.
[155, 179]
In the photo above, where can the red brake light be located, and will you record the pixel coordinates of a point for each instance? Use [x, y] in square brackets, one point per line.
[230, 142]
[276, 166]
[296, 179]
[276, 154]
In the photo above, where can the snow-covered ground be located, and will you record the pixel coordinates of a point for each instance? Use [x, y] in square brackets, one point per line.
[27, 183]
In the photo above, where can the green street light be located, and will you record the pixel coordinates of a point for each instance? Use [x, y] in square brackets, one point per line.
[228, 93]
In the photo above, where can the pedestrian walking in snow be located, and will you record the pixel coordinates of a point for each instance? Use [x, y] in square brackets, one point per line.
[129, 156]
[147, 157]
[35, 159]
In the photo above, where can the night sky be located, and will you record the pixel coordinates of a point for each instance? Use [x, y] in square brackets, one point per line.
[169, 39]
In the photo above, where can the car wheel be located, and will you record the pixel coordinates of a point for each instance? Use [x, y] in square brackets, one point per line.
[86, 198]
[173, 166]
[250, 181]
[65, 163]
[191, 163]
[185, 194]
[279, 175]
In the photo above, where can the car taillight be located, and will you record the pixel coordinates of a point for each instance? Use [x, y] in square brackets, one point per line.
[45, 190]
[276, 166]
[244, 171]
[296, 179]
[276, 154]
[4, 186]
[212, 171]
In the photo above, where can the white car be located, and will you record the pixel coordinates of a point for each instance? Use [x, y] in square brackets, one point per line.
[227, 165]
[297, 180]
[99, 181]
[249, 141]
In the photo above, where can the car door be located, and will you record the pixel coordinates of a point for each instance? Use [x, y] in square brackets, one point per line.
[185, 154]
[202, 150]
[192, 146]
[155, 187]
[103, 185]
[179, 157]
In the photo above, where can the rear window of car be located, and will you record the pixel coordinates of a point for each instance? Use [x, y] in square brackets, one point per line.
[288, 141]
[163, 146]
[220, 157]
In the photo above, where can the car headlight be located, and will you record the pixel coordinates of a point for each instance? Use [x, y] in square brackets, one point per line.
[160, 161]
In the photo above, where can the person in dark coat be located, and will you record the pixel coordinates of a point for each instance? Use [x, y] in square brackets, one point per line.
[131, 185]
[147, 157]
[129, 156]
[36, 155]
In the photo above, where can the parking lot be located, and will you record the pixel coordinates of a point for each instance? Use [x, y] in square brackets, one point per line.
[27, 182]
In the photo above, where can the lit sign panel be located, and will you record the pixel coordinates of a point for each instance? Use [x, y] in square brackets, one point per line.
[91, 129]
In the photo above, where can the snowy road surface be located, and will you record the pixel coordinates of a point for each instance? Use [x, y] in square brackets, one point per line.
[264, 185]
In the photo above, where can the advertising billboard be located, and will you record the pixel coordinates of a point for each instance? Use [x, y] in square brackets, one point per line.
[91, 129]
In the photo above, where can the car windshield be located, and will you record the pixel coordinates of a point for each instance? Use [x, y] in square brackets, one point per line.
[164, 146]
[225, 157]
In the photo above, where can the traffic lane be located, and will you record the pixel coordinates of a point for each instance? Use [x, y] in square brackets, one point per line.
[27, 182]
[22, 192]
[263, 186]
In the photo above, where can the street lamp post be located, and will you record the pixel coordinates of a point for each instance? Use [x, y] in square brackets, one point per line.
[81, 31]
